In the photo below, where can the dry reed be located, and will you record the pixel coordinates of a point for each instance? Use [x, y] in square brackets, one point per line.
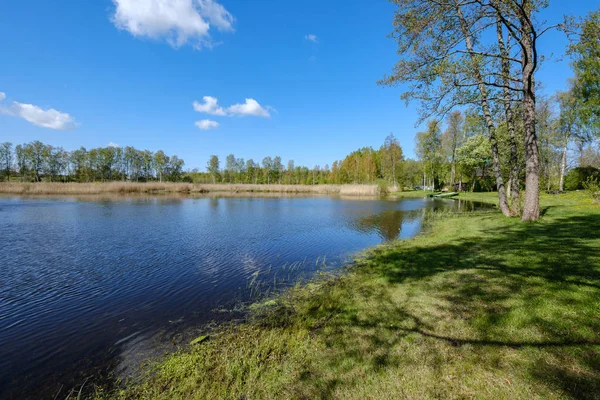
[56, 188]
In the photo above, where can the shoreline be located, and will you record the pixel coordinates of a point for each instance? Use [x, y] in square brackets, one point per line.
[58, 188]
[469, 299]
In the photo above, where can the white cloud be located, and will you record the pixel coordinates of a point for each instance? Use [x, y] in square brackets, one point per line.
[176, 21]
[312, 38]
[50, 118]
[209, 106]
[113, 144]
[250, 107]
[2, 96]
[216, 14]
[207, 124]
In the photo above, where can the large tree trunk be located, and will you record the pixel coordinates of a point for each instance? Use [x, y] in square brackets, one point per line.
[515, 168]
[515, 172]
[531, 208]
[502, 200]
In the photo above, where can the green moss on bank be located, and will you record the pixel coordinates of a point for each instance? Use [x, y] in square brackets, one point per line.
[479, 307]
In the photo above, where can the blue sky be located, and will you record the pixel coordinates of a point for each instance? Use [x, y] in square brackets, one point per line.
[113, 74]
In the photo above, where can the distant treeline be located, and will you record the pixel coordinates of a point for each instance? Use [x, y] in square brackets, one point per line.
[363, 166]
[456, 158]
[36, 162]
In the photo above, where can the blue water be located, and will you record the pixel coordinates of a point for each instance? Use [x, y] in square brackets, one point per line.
[83, 279]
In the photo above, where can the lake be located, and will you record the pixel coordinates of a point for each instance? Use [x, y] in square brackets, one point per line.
[92, 286]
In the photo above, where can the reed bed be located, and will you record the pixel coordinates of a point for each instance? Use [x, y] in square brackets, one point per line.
[57, 188]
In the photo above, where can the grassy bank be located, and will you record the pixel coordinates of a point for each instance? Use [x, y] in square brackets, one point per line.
[484, 197]
[56, 188]
[478, 307]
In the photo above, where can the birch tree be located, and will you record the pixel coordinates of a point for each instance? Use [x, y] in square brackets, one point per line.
[391, 159]
[438, 58]
[452, 139]
[569, 127]
[429, 151]
[449, 60]
[6, 158]
[213, 167]
[586, 64]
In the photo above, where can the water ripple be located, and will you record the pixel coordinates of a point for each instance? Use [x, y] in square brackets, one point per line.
[85, 283]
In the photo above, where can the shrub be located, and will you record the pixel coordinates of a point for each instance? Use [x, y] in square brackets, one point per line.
[487, 184]
[592, 187]
[575, 178]
[383, 187]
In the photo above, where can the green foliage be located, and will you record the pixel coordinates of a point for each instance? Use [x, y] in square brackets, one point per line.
[363, 166]
[391, 157]
[452, 139]
[575, 178]
[592, 187]
[383, 187]
[160, 163]
[213, 167]
[571, 124]
[473, 158]
[6, 159]
[586, 65]
[430, 152]
[412, 173]
[360, 166]
[36, 161]
[199, 339]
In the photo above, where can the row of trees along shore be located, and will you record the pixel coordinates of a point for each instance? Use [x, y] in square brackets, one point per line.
[485, 54]
[457, 158]
[36, 161]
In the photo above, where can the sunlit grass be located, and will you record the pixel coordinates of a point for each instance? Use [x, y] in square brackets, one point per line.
[480, 306]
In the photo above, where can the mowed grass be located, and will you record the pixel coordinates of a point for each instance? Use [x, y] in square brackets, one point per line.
[478, 307]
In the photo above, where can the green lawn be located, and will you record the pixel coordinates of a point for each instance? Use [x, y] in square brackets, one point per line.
[480, 306]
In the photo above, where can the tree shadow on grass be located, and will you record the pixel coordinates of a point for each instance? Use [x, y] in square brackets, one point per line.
[559, 251]
[533, 289]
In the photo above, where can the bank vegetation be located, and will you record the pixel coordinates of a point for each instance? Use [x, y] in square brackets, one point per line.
[57, 188]
[478, 306]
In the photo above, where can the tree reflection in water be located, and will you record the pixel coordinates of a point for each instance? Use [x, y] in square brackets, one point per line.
[387, 224]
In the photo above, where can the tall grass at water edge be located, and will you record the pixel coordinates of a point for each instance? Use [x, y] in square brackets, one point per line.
[56, 188]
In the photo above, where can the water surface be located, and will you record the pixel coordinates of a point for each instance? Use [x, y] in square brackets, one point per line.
[93, 285]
